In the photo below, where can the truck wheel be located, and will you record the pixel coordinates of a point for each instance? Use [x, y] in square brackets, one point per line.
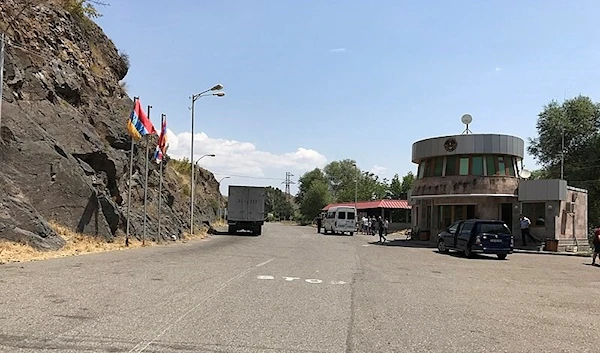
[258, 231]
[501, 256]
[351, 233]
[231, 230]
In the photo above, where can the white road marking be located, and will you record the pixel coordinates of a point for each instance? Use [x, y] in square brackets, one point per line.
[366, 245]
[173, 322]
[289, 279]
[265, 277]
[264, 263]
[315, 281]
[338, 282]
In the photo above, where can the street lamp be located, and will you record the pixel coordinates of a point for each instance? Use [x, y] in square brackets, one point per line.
[356, 188]
[195, 97]
[221, 199]
[193, 187]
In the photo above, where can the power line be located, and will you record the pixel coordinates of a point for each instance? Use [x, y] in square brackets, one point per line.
[246, 176]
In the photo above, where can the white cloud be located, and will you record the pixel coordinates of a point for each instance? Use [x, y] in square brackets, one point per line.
[337, 50]
[497, 69]
[242, 158]
[378, 170]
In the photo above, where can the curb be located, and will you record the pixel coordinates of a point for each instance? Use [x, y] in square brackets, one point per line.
[561, 253]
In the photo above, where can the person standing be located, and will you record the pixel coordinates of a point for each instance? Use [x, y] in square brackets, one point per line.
[525, 223]
[596, 242]
[319, 223]
[380, 229]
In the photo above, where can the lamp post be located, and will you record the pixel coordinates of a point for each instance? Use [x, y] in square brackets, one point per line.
[193, 190]
[356, 187]
[195, 97]
[221, 199]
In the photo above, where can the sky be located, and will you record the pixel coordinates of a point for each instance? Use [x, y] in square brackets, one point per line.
[310, 82]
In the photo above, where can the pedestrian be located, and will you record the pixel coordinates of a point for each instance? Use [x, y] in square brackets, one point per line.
[596, 242]
[365, 224]
[386, 226]
[380, 228]
[525, 223]
[319, 223]
[373, 226]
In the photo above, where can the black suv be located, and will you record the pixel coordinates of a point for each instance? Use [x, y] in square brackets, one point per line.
[477, 236]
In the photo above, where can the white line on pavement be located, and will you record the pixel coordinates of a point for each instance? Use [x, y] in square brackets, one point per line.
[173, 322]
[264, 263]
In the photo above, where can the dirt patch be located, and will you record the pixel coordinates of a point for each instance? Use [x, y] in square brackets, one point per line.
[77, 244]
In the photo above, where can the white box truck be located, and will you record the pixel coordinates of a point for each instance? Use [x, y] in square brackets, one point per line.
[246, 208]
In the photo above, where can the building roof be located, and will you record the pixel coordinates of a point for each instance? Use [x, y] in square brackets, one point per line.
[365, 205]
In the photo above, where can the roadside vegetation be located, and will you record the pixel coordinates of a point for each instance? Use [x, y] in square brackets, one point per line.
[79, 244]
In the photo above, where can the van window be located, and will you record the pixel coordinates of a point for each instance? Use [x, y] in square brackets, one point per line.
[331, 215]
[341, 215]
[350, 215]
[494, 228]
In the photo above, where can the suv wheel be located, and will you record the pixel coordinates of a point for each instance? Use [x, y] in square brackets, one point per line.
[442, 247]
[501, 256]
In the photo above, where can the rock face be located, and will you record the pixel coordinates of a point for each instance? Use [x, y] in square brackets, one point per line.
[65, 150]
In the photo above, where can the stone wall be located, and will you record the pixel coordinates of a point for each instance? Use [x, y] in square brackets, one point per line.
[465, 184]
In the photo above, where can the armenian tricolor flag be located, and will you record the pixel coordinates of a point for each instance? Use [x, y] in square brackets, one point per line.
[138, 124]
[161, 147]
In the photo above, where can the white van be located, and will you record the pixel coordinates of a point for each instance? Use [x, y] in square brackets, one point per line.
[340, 219]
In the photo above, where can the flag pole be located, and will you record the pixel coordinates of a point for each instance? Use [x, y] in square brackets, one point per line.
[146, 185]
[130, 176]
[162, 124]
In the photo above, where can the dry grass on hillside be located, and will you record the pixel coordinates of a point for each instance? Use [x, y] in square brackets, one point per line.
[76, 244]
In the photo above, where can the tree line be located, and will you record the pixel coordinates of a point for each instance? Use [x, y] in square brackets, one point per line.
[338, 181]
[576, 122]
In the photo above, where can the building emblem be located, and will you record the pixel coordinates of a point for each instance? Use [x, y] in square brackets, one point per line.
[450, 144]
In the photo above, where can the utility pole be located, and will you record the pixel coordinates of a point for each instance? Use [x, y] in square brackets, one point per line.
[288, 181]
[2, 46]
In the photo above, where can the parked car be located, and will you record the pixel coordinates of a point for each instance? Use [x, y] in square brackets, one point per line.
[477, 236]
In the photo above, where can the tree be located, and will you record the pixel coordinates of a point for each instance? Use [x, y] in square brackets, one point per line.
[577, 120]
[342, 177]
[316, 197]
[395, 189]
[278, 204]
[306, 180]
[407, 183]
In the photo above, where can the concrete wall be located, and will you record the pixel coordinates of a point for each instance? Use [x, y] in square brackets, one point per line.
[542, 190]
[469, 144]
[465, 184]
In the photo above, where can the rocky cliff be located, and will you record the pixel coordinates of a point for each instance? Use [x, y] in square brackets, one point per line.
[64, 154]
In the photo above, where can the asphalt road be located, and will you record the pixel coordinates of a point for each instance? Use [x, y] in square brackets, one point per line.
[292, 290]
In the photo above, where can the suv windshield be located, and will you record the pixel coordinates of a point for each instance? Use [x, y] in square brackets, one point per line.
[494, 228]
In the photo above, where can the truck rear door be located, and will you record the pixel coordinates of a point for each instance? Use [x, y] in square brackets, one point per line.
[256, 204]
[237, 210]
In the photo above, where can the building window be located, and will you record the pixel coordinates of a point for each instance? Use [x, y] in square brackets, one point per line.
[490, 162]
[477, 165]
[439, 166]
[450, 165]
[501, 166]
[421, 171]
[464, 166]
[510, 166]
[429, 167]
[536, 212]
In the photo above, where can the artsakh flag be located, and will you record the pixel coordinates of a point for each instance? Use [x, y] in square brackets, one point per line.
[161, 147]
[138, 124]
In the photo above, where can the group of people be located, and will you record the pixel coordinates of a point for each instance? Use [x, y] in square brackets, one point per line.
[372, 226]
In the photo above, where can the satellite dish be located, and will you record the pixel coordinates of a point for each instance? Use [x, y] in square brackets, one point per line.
[525, 174]
[466, 119]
